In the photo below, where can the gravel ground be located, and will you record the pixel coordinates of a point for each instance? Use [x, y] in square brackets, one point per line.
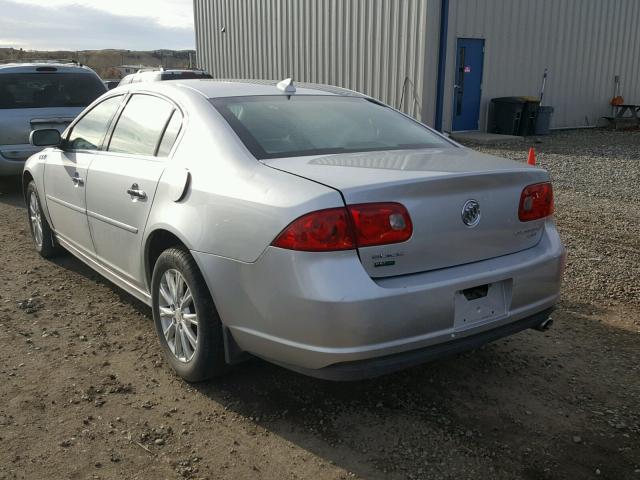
[85, 392]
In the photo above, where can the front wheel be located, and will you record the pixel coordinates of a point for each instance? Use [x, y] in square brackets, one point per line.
[185, 317]
[41, 232]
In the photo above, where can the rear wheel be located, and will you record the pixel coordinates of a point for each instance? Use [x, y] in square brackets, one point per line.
[185, 317]
[41, 232]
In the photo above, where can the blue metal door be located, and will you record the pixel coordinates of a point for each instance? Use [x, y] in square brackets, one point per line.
[468, 87]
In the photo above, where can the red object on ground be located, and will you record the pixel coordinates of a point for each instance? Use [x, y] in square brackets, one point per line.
[532, 157]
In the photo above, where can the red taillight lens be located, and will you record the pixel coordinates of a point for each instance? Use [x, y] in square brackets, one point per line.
[362, 225]
[380, 223]
[321, 231]
[536, 201]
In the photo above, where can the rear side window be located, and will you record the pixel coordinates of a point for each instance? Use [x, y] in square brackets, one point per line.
[141, 125]
[89, 132]
[170, 134]
[42, 90]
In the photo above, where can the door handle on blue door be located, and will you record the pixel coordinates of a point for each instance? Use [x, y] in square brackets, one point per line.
[135, 191]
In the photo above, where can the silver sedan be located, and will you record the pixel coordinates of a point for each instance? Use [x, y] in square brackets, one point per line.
[307, 225]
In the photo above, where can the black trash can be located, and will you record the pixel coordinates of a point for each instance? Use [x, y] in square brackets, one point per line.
[543, 121]
[529, 116]
[507, 115]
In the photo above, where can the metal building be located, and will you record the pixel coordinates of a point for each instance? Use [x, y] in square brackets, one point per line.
[439, 60]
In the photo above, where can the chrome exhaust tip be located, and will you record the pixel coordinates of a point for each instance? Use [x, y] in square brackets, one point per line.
[544, 326]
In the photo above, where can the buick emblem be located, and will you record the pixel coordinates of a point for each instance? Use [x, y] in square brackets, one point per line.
[471, 213]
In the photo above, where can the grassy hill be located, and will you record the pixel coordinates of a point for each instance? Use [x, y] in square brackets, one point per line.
[103, 61]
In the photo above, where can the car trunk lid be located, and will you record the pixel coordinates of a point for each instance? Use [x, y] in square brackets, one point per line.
[434, 185]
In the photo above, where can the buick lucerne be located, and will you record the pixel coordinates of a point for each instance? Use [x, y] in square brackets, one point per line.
[308, 225]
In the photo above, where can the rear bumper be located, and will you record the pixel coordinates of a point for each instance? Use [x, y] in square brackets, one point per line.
[362, 369]
[309, 311]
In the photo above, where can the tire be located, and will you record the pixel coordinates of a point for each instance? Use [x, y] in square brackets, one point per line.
[206, 358]
[43, 238]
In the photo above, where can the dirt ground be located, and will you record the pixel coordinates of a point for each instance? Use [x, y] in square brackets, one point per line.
[85, 393]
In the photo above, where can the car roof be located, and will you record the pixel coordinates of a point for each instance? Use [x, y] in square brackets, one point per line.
[44, 67]
[221, 88]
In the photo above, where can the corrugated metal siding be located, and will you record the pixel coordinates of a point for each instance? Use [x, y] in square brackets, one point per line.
[583, 43]
[371, 46]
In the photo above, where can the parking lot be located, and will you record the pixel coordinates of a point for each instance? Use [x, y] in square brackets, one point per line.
[85, 392]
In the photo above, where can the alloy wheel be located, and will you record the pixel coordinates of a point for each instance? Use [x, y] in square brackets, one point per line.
[178, 315]
[36, 219]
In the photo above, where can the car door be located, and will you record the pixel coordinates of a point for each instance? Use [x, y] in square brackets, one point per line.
[65, 174]
[123, 180]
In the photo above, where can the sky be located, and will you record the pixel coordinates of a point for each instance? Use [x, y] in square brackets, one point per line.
[97, 24]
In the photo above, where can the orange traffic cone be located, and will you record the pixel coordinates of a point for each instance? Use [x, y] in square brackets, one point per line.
[532, 157]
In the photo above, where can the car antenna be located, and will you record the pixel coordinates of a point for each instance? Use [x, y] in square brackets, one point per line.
[287, 86]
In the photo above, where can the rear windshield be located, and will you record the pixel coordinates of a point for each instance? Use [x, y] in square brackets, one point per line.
[289, 126]
[40, 90]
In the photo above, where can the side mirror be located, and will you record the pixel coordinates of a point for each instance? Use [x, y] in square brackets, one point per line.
[45, 137]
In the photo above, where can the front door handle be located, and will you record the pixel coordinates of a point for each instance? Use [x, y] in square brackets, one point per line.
[135, 191]
[77, 181]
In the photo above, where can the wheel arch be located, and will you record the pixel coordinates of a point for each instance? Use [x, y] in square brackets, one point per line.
[157, 241]
[162, 238]
[27, 177]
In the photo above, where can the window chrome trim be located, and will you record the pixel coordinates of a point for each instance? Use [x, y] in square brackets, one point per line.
[114, 124]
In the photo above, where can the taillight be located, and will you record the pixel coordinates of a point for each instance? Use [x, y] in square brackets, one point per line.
[536, 201]
[321, 231]
[380, 223]
[361, 225]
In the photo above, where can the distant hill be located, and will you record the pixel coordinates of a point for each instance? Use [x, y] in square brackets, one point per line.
[103, 61]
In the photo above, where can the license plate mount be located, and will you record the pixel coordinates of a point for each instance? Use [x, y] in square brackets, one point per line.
[479, 304]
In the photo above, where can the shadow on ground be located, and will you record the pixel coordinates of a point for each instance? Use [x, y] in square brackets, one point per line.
[534, 405]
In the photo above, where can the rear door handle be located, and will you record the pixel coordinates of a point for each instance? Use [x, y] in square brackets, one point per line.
[135, 191]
